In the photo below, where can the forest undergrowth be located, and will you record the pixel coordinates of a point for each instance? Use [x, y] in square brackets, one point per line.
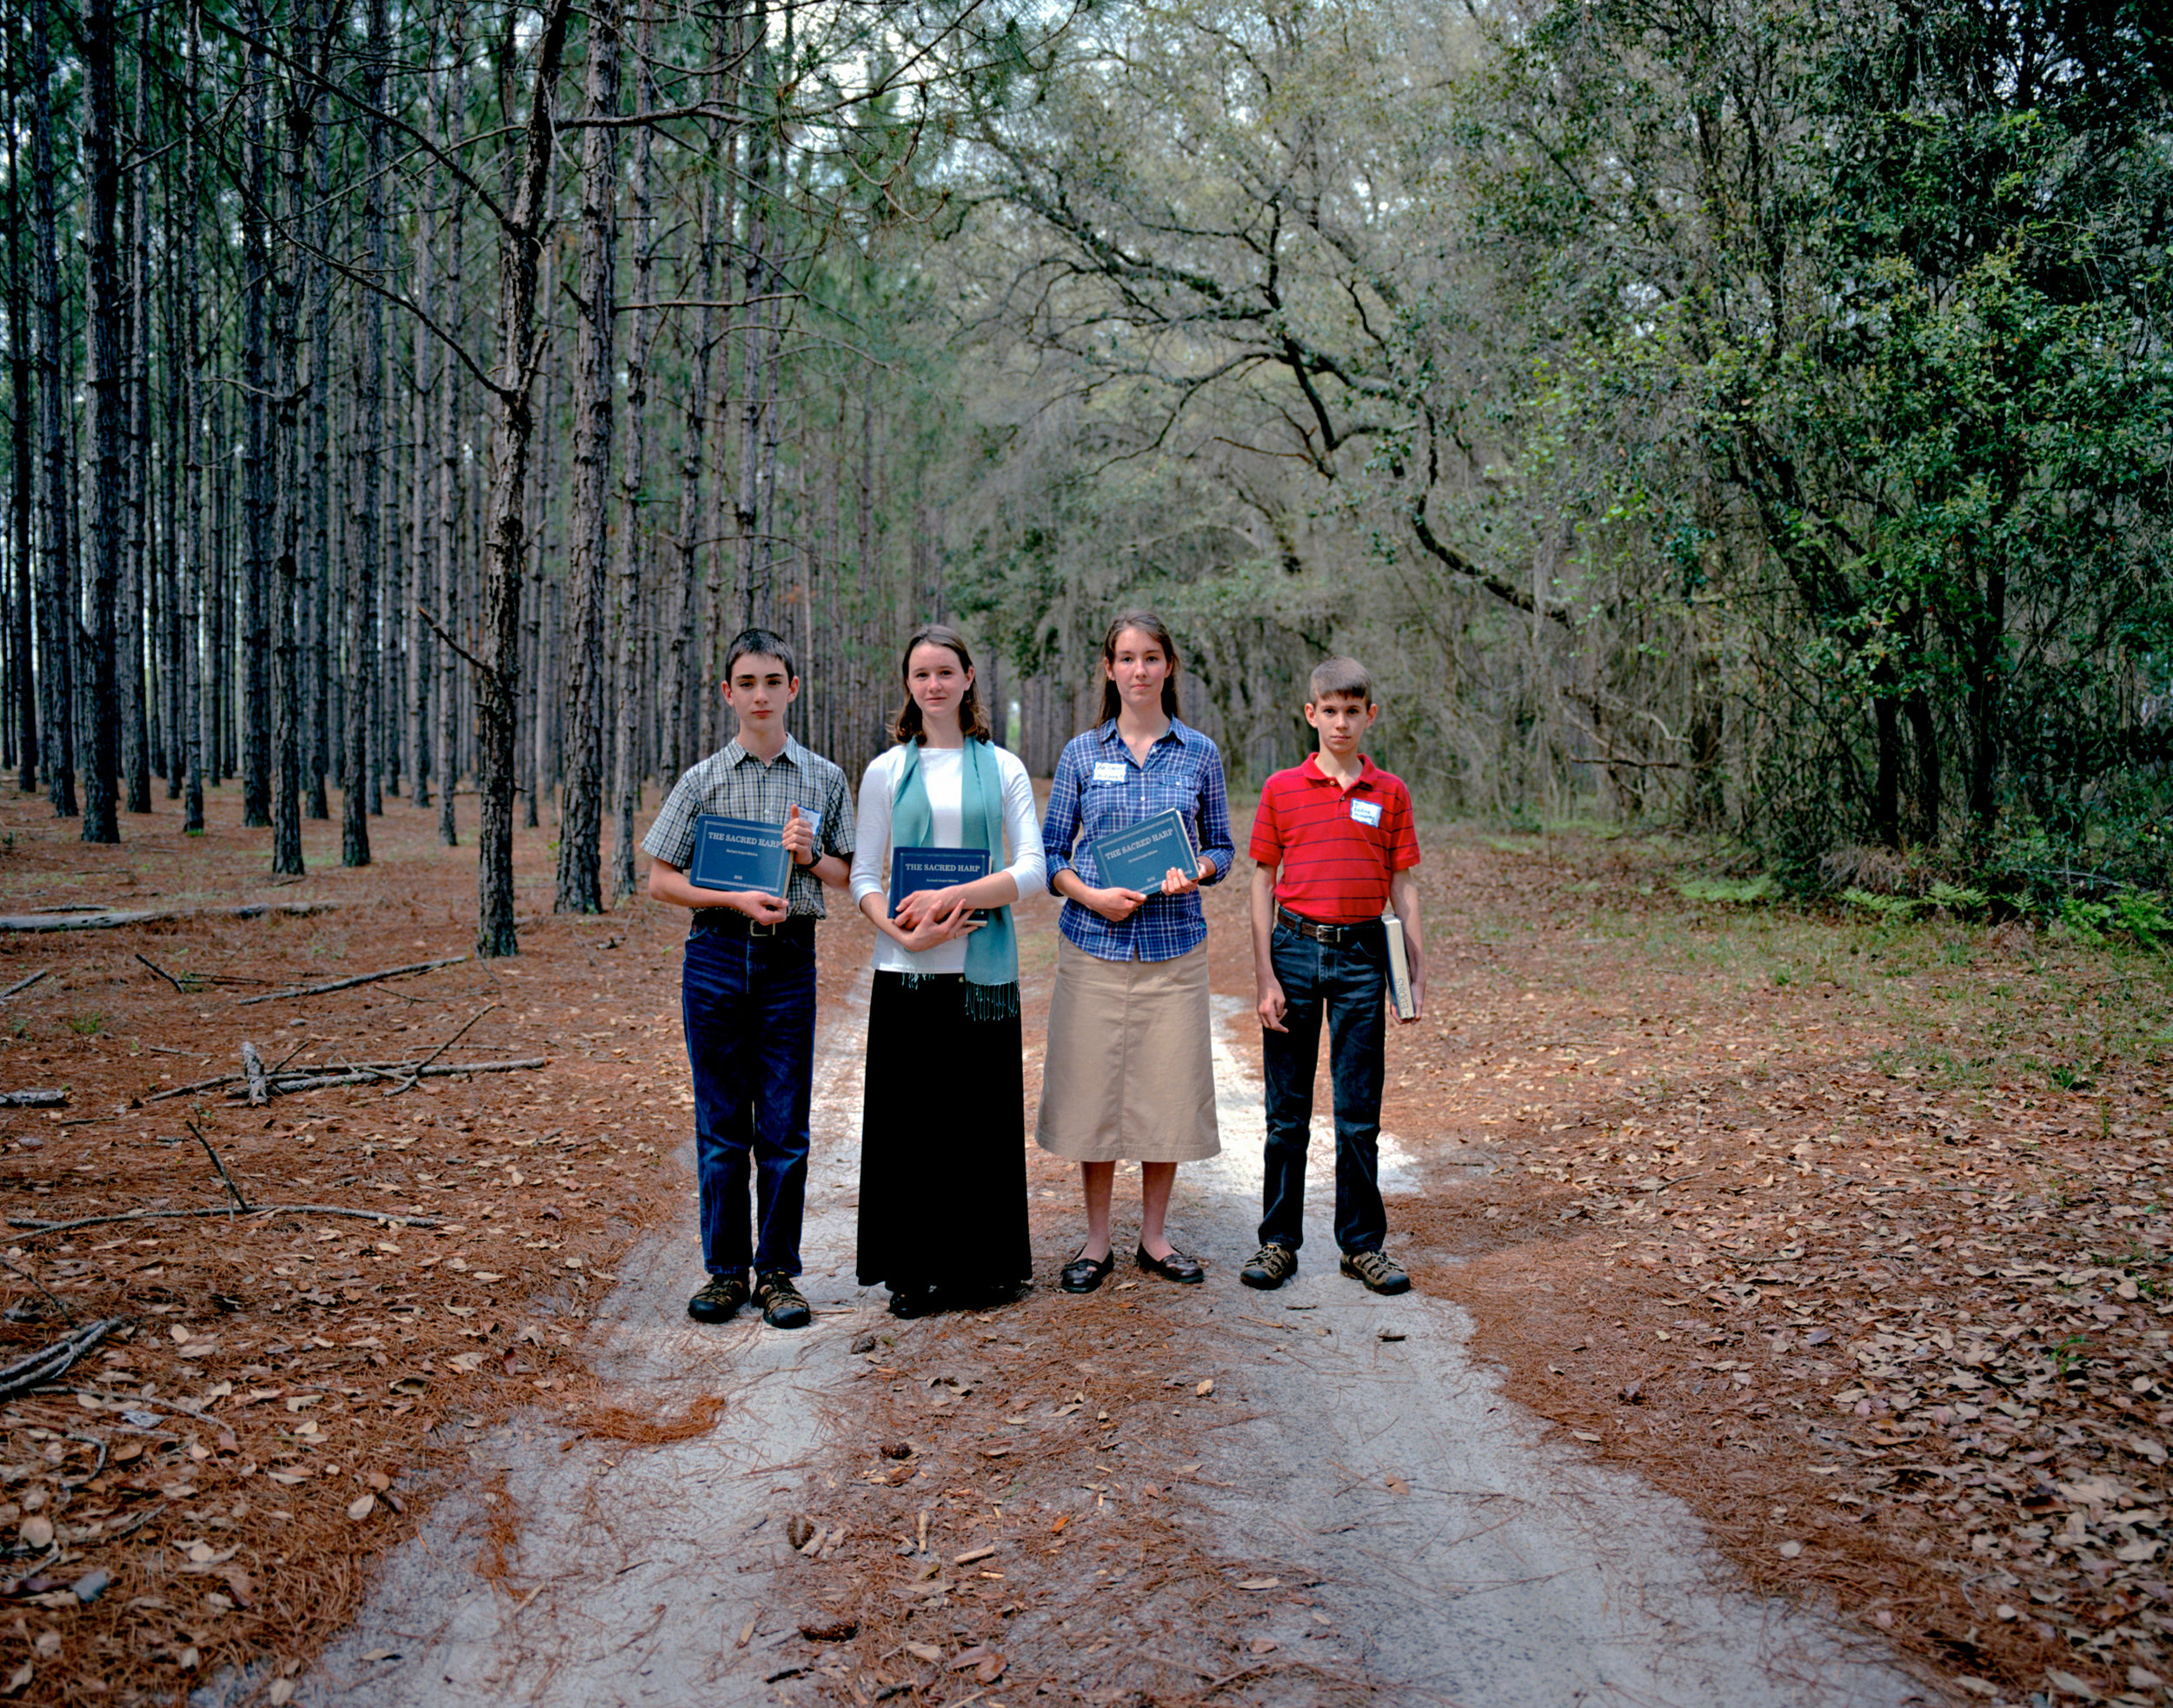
[1853, 1235]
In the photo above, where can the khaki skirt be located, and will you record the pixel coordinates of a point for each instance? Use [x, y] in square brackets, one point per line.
[1128, 1075]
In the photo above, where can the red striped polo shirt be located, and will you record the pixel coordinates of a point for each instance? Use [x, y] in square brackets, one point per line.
[1335, 848]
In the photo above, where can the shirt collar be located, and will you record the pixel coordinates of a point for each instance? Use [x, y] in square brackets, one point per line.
[1179, 731]
[1368, 774]
[733, 752]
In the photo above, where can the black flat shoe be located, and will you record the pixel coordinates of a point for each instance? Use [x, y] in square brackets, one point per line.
[1186, 1270]
[1083, 1274]
[908, 1302]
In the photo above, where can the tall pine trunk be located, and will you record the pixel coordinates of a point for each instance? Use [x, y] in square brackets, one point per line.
[626, 613]
[447, 529]
[365, 548]
[56, 570]
[22, 487]
[136, 564]
[520, 248]
[291, 505]
[108, 357]
[257, 474]
[318, 707]
[581, 796]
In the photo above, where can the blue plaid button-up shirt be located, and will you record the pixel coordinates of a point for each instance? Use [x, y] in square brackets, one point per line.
[1100, 787]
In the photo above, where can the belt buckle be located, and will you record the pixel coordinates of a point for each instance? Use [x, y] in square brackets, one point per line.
[759, 929]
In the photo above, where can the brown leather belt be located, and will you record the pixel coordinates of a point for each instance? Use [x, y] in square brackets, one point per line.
[1324, 934]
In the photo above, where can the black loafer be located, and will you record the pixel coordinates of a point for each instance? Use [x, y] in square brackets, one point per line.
[1186, 1270]
[908, 1301]
[1083, 1274]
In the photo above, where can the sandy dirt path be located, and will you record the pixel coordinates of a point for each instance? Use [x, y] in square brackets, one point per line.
[1452, 1554]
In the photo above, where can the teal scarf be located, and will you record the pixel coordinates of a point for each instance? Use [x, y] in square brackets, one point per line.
[992, 951]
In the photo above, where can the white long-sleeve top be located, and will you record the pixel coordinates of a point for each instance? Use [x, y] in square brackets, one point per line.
[942, 773]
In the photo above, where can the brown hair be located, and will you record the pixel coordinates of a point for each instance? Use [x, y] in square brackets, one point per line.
[972, 723]
[1339, 675]
[1157, 631]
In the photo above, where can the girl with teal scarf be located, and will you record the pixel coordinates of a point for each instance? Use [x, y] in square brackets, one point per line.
[943, 1204]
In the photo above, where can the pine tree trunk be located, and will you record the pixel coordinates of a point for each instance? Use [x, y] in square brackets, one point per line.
[321, 556]
[627, 609]
[682, 720]
[291, 510]
[24, 482]
[581, 798]
[257, 470]
[109, 359]
[520, 246]
[752, 595]
[56, 626]
[189, 234]
[365, 548]
[446, 530]
[136, 582]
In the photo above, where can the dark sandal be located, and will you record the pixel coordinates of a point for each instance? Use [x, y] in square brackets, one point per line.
[1084, 1274]
[1186, 1270]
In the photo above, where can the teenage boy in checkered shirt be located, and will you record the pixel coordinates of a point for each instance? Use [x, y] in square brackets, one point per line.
[747, 991]
[1333, 841]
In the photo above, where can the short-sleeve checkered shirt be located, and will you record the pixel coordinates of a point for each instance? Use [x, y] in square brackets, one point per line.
[734, 784]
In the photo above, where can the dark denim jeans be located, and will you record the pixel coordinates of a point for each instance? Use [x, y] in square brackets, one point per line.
[748, 1004]
[1341, 983]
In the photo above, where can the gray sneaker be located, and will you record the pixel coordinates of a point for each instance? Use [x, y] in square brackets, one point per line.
[1377, 1270]
[1271, 1267]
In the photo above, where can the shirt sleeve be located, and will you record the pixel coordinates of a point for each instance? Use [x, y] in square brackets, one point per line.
[837, 818]
[1266, 847]
[1214, 815]
[1029, 865]
[1059, 829]
[671, 839]
[872, 848]
[1407, 851]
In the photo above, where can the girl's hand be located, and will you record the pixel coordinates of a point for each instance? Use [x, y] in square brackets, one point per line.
[926, 904]
[936, 929]
[1114, 905]
[1175, 882]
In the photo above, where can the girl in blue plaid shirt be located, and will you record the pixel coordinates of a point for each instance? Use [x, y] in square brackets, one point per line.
[1127, 1073]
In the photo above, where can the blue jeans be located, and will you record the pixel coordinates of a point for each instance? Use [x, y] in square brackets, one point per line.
[748, 1005]
[1341, 983]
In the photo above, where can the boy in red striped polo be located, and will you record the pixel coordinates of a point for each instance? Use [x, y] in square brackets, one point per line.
[1332, 842]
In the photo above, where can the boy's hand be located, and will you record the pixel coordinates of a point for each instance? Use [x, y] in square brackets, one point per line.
[1418, 1002]
[1271, 1006]
[1176, 882]
[799, 837]
[1115, 905]
[761, 907]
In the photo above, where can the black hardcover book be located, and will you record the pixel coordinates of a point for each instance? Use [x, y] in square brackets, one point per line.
[913, 869]
[1140, 857]
[740, 854]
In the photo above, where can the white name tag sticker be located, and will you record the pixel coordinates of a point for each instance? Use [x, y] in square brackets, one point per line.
[1108, 770]
[1366, 812]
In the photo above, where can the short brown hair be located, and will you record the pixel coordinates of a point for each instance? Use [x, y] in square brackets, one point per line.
[1339, 675]
[972, 723]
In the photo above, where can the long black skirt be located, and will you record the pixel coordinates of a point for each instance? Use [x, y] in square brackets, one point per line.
[943, 1159]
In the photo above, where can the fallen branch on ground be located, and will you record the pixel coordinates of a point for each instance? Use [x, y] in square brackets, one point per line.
[409, 1082]
[253, 1069]
[34, 1097]
[106, 918]
[21, 985]
[392, 1217]
[241, 1201]
[348, 984]
[180, 988]
[42, 1366]
[356, 1076]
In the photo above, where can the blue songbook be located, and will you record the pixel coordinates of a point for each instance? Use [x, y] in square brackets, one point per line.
[740, 854]
[1139, 857]
[913, 869]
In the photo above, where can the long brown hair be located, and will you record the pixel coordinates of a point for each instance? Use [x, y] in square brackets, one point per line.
[1157, 631]
[972, 723]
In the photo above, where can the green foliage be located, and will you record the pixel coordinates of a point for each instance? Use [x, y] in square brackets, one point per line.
[1958, 900]
[87, 1025]
[1742, 891]
[1896, 907]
